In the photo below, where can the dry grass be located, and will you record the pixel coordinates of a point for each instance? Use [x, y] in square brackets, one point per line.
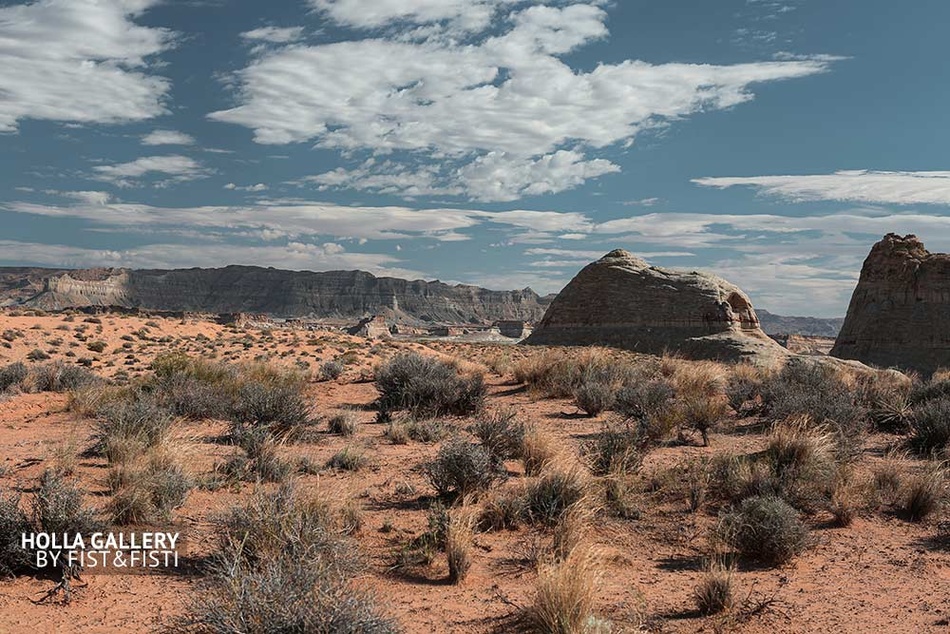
[567, 594]
[714, 592]
[538, 450]
[458, 543]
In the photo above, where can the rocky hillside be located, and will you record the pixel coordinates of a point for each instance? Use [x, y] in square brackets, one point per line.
[774, 324]
[331, 294]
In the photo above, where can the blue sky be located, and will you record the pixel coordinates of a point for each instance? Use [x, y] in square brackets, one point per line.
[503, 143]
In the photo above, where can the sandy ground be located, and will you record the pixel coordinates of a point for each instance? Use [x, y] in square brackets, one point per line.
[881, 574]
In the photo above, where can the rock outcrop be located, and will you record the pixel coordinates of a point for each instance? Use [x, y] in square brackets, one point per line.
[622, 301]
[899, 314]
[248, 289]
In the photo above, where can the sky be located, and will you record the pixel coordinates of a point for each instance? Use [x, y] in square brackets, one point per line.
[503, 143]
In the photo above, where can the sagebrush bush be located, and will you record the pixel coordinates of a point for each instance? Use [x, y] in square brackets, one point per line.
[331, 370]
[13, 375]
[595, 391]
[615, 451]
[347, 459]
[343, 423]
[462, 468]
[703, 414]
[936, 388]
[551, 495]
[149, 492]
[13, 523]
[428, 386]
[279, 406]
[126, 427]
[923, 495]
[283, 566]
[501, 433]
[652, 404]
[59, 377]
[262, 461]
[744, 386]
[930, 426]
[765, 528]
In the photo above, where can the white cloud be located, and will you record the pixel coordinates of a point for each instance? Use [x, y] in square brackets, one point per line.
[501, 113]
[259, 187]
[275, 35]
[864, 186]
[82, 61]
[167, 137]
[294, 255]
[176, 168]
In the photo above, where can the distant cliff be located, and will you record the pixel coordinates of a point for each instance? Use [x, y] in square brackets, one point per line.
[331, 294]
[774, 324]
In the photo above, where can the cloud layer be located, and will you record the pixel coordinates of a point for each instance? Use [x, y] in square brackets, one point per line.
[480, 89]
[82, 61]
[864, 186]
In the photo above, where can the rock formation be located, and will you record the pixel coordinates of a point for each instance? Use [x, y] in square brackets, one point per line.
[622, 301]
[248, 289]
[899, 314]
[371, 327]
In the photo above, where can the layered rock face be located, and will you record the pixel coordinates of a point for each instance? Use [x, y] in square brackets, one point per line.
[899, 314]
[622, 301]
[246, 289]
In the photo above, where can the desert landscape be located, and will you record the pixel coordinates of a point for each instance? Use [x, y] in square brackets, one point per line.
[328, 482]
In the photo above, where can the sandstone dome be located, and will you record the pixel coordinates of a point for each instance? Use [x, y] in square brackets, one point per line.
[622, 301]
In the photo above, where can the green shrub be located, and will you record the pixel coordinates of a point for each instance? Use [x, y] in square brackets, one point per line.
[347, 459]
[428, 387]
[764, 528]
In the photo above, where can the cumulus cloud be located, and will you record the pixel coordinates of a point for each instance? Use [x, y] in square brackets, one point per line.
[171, 168]
[167, 137]
[481, 89]
[864, 186]
[259, 187]
[82, 61]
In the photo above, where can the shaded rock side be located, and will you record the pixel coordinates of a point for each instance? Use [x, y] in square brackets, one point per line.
[622, 301]
[899, 315]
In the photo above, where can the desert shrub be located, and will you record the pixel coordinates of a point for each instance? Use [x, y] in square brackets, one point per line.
[765, 528]
[818, 390]
[461, 468]
[936, 388]
[500, 433]
[282, 566]
[59, 377]
[278, 406]
[551, 495]
[744, 386]
[37, 355]
[194, 399]
[930, 426]
[397, 433]
[343, 423]
[891, 412]
[331, 370]
[713, 594]
[505, 510]
[703, 414]
[923, 495]
[262, 461]
[595, 391]
[126, 427]
[427, 430]
[652, 404]
[428, 386]
[149, 492]
[615, 451]
[13, 375]
[96, 346]
[846, 501]
[566, 594]
[13, 523]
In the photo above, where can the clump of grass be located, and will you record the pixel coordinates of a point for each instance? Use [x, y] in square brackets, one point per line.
[343, 423]
[765, 528]
[744, 387]
[923, 494]
[713, 594]
[149, 491]
[331, 370]
[595, 391]
[427, 386]
[347, 459]
[458, 544]
[461, 468]
[59, 377]
[13, 375]
[652, 404]
[538, 450]
[126, 427]
[566, 594]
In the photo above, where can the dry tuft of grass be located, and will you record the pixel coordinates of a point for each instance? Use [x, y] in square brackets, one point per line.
[923, 494]
[458, 544]
[566, 594]
[714, 592]
[538, 450]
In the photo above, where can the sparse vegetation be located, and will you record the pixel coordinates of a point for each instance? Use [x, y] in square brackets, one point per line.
[427, 386]
[765, 528]
[461, 468]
